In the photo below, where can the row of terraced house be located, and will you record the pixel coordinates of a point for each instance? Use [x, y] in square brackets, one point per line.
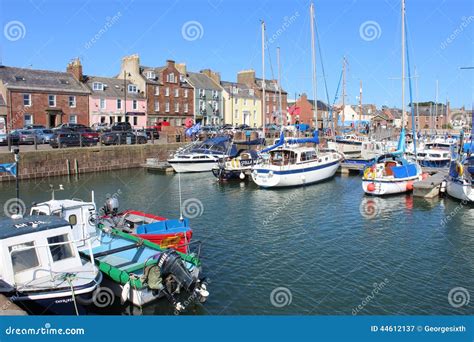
[138, 94]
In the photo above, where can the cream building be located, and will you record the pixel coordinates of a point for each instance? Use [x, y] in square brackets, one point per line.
[241, 105]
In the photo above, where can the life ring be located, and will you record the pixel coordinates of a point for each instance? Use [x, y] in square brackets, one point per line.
[369, 172]
[459, 169]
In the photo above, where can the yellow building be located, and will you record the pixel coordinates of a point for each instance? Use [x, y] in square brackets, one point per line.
[241, 105]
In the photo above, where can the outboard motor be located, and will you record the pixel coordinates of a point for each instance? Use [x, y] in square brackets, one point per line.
[111, 206]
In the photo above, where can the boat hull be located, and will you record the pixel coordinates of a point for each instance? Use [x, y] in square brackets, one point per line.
[460, 190]
[267, 178]
[181, 167]
[389, 187]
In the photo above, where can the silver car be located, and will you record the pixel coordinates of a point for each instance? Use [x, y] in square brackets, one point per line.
[43, 135]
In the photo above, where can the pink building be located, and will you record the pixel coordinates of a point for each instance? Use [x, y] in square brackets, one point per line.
[108, 102]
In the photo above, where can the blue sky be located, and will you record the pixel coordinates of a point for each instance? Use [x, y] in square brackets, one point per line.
[51, 32]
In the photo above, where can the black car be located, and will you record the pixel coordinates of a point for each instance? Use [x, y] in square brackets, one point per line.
[149, 132]
[69, 126]
[122, 138]
[121, 126]
[14, 139]
[69, 138]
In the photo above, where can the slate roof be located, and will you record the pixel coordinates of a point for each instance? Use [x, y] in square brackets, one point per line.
[243, 89]
[270, 85]
[114, 87]
[201, 81]
[40, 80]
[321, 105]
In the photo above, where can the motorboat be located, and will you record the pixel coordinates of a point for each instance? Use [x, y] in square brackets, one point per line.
[296, 165]
[350, 145]
[436, 155]
[202, 156]
[41, 269]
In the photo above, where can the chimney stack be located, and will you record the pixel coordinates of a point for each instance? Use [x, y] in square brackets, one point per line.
[246, 77]
[181, 68]
[75, 69]
[215, 76]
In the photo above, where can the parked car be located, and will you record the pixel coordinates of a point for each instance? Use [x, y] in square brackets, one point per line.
[34, 127]
[14, 139]
[25, 136]
[148, 132]
[121, 126]
[69, 138]
[88, 133]
[43, 135]
[70, 126]
[122, 138]
[101, 127]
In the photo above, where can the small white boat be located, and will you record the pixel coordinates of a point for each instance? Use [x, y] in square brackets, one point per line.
[390, 174]
[350, 145]
[41, 269]
[287, 165]
[202, 157]
[437, 155]
[459, 181]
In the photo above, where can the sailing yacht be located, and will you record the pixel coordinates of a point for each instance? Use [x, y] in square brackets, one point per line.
[459, 183]
[393, 173]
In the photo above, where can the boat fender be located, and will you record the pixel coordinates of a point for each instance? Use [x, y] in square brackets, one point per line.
[242, 175]
[459, 169]
[409, 186]
[125, 293]
[270, 174]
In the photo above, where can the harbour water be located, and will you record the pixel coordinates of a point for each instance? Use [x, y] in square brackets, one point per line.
[324, 249]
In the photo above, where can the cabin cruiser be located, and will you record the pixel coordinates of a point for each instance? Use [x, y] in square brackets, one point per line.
[287, 165]
[435, 154]
[41, 269]
[390, 174]
[202, 156]
[350, 145]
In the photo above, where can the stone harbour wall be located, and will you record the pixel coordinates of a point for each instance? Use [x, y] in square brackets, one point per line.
[49, 163]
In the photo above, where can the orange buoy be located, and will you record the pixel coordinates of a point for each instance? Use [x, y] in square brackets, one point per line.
[371, 187]
[424, 176]
[410, 186]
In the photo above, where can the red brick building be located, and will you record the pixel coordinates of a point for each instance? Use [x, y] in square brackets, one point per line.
[272, 96]
[42, 97]
[306, 111]
[430, 117]
[169, 97]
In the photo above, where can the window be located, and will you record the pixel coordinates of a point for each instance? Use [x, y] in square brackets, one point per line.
[176, 92]
[176, 107]
[268, 109]
[255, 116]
[102, 119]
[202, 105]
[97, 86]
[236, 116]
[73, 118]
[157, 106]
[72, 101]
[274, 97]
[157, 90]
[267, 97]
[167, 107]
[102, 104]
[119, 103]
[72, 220]
[236, 100]
[185, 107]
[28, 119]
[150, 75]
[186, 93]
[167, 91]
[135, 121]
[132, 88]
[52, 100]
[245, 102]
[27, 100]
[61, 247]
[235, 90]
[134, 104]
[251, 93]
[23, 257]
[171, 78]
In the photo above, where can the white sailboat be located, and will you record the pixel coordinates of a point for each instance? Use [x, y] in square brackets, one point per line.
[459, 181]
[392, 173]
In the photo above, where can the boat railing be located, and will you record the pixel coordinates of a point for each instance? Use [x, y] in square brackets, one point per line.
[196, 250]
[50, 256]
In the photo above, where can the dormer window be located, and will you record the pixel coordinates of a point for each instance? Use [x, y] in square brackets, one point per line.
[251, 93]
[150, 75]
[19, 78]
[132, 88]
[171, 78]
[97, 86]
[235, 90]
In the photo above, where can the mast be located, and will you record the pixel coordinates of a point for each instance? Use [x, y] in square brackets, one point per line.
[403, 66]
[417, 103]
[343, 91]
[279, 87]
[263, 79]
[436, 105]
[360, 106]
[313, 64]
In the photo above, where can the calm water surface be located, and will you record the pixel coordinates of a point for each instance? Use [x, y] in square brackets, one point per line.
[325, 249]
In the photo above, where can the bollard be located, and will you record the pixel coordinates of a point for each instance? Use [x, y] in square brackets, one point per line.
[36, 142]
[68, 167]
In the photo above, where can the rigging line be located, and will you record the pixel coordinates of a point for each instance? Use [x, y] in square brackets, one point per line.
[410, 90]
[322, 64]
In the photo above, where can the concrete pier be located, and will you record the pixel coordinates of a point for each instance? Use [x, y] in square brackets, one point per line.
[430, 187]
[155, 165]
[8, 308]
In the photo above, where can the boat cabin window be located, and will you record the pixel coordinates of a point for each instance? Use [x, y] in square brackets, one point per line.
[24, 257]
[61, 248]
[308, 156]
[72, 220]
[37, 212]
